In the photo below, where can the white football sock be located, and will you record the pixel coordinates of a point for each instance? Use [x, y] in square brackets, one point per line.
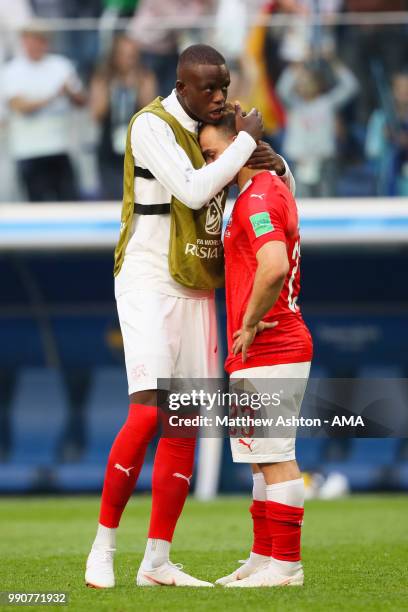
[156, 553]
[290, 493]
[258, 489]
[256, 559]
[105, 537]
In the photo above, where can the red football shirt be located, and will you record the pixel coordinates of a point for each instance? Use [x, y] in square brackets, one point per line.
[264, 211]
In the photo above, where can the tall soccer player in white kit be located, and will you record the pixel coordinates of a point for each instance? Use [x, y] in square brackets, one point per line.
[168, 320]
[267, 339]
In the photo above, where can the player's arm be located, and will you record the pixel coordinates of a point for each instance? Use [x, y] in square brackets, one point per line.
[264, 224]
[273, 266]
[154, 144]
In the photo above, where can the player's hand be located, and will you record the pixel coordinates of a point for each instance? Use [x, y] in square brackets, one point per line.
[265, 158]
[250, 122]
[244, 337]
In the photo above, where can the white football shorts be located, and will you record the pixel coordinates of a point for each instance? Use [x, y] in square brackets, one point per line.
[272, 450]
[167, 337]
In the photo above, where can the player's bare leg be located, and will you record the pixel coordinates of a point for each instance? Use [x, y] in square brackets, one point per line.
[284, 515]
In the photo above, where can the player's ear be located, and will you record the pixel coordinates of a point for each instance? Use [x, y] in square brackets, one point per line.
[181, 88]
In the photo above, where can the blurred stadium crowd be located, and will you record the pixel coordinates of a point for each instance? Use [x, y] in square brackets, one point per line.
[333, 91]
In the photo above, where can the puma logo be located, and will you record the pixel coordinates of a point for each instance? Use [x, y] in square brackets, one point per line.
[241, 441]
[260, 196]
[122, 469]
[153, 581]
[178, 475]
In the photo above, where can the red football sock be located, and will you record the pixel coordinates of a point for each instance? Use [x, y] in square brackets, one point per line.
[262, 540]
[284, 523]
[172, 471]
[125, 462]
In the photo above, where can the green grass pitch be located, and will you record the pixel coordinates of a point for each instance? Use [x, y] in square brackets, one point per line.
[355, 554]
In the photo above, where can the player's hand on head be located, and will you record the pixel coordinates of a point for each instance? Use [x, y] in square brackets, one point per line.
[250, 122]
[265, 158]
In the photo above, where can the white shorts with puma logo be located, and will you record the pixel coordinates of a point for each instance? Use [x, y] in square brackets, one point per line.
[246, 449]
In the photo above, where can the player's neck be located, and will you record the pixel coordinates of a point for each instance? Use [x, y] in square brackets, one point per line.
[245, 174]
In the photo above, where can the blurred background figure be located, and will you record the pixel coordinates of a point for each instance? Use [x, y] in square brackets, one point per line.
[13, 16]
[159, 45]
[387, 139]
[119, 88]
[269, 49]
[40, 89]
[310, 137]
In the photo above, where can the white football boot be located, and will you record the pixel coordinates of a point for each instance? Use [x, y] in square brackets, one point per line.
[168, 574]
[99, 568]
[249, 567]
[270, 577]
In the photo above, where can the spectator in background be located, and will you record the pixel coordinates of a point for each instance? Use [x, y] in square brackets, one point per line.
[310, 137]
[13, 16]
[40, 88]
[160, 46]
[387, 140]
[268, 49]
[119, 88]
[113, 10]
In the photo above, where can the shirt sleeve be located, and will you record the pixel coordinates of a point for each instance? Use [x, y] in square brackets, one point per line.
[263, 221]
[154, 146]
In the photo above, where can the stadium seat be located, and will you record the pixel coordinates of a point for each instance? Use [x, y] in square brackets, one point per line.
[368, 464]
[105, 411]
[400, 476]
[309, 453]
[38, 416]
[380, 394]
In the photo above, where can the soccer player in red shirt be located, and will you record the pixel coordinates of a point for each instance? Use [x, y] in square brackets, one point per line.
[267, 339]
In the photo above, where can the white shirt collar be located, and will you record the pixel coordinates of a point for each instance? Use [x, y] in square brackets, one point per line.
[173, 106]
[247, 184]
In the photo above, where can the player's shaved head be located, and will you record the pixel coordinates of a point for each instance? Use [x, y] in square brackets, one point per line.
[202, 83]
[198, 55]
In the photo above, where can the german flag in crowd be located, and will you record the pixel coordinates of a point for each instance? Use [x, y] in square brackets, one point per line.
[262, 93]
